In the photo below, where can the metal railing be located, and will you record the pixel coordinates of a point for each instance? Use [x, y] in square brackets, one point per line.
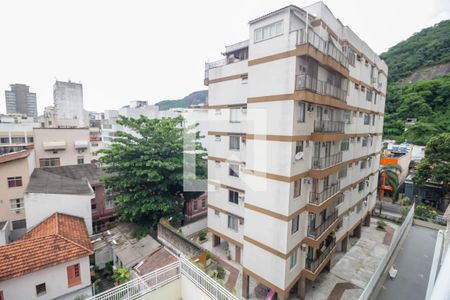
[317, 232]
[313, 264]
[323, 46]
[327, 161]
[329, 126]
[138, 287]
[306, 82]
[318, 198]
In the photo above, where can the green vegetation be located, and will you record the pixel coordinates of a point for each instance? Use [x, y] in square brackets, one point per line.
[145, 169]
[426, 100]
[429, 47]
[436, 164]
[392, 172]
[220, 272]
[381, 225]
[202, 235]
[121, 275]
[424, 212]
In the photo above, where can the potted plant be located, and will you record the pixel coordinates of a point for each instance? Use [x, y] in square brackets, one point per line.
[121, 275]
[202, 236]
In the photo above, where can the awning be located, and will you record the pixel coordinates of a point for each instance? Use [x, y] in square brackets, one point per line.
[55, 145]
[81, 144]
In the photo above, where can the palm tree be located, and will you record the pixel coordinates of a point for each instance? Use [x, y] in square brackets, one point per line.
[389, 177]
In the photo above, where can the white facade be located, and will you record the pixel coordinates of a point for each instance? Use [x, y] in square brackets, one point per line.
[294, 144]
[39, 206]
[56, 282]
[68, 102]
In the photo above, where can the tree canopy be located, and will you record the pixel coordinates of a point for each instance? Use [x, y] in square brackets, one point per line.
[436, 164]
[145, 167]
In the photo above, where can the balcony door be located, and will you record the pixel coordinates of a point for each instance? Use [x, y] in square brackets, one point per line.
[327, 149]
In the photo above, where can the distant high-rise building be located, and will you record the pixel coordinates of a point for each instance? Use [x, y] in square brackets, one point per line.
[19, 100]
[68, 101]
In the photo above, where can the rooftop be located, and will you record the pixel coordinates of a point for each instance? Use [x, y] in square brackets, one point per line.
[156, 260]
[65, 180]
[57, 239]
[14, 156]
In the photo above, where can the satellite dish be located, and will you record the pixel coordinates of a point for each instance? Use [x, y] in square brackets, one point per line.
[299, 156]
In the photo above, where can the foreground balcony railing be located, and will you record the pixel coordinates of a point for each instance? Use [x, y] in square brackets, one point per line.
[323, 46]
[317, 232]
[318, 198]
[306, 82]
[329, 126]
[138, 287]
[327, 161]
[313, 264]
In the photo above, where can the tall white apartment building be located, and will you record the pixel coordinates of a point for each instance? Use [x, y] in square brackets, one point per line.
[294, 145]
[68, 101]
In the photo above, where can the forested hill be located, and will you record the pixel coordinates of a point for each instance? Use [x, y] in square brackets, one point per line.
[195, 98]
[426, 52]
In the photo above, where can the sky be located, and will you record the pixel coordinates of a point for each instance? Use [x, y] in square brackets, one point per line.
[156, 50]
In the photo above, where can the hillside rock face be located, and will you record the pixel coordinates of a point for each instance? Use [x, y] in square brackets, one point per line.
[427, 73]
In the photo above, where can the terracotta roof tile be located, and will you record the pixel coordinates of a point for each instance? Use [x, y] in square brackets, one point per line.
[13, 156]
[57, 239]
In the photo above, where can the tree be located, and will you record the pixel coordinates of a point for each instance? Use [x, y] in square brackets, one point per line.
[121, 275]
[435, 166]
[145, 167]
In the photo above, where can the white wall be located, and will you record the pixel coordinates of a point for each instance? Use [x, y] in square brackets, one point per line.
[55, 279]
[40, 206]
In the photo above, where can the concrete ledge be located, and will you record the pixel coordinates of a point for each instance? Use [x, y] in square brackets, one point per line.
[428, 224]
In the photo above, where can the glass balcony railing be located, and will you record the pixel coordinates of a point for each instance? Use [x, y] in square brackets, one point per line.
[306, 82]
[329, 126]
[318, 198]
[315, 233]
[327, 161]
[313, 264]
[326, 47]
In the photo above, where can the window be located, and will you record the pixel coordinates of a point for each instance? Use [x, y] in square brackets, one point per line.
[109, 202]
[233, 223]
[195, 205]
[347, 116]
[4, 140]
[373, 120]
[233, 197]
[356, 86]
[14, 181]
[364, 141]
[351, 56]
[244, 79]
[235, 116]
[295, 224]
[234, 142]
[363, 164]
[233, 170]
[203, 203]
[343, 173]
[297, 188]
[358, 207]
[93, 207]
[366, 119]
[268, 31]
[339, 224]
[345, 145]
[217, 139]
[369, 95]
[361, 186]
[298, 147]
[293, 259]
[73, 275]
[16, 204]
[49, 162]
[301, 112]
[80, 160]
[217, 213]
[41, 289]
[375, 98]
[17, 139]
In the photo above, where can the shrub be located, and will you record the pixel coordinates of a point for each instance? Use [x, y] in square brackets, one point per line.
[424, 211]
[381, 225]
[202, 235]
[220, 272]
[121, 275]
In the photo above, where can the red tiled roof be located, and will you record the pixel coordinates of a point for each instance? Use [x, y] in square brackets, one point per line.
[158, 259]
[57, 239]
[13, 156]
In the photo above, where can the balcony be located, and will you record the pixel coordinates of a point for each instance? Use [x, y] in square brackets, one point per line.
[306, 82]
[329, 126]
[318, 198]
[315, 233]
[327, 161]
[313, 264]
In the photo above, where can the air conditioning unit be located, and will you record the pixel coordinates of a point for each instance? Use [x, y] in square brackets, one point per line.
[241, 197]
[307, 181]
[304, 247]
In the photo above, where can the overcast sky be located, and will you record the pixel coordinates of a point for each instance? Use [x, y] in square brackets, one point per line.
[154, 50]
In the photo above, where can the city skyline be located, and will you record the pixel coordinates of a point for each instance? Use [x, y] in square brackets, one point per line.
[134, 53]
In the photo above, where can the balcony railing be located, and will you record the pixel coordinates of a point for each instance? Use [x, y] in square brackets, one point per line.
[313, 264]
[323, 46]
[329, 126]
[317, 232]
[318, 198]
[306, 82]
[327, 161]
